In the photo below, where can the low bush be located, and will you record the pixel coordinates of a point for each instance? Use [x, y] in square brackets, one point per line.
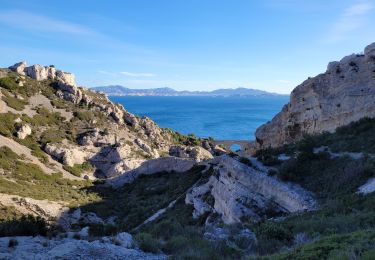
[97, 230]
[347, 246]
[7, 126]
[78, 169]
[245, 160]
[15, 103]
[24, 226]
[44, 186]
[147, 243]
[12, 243]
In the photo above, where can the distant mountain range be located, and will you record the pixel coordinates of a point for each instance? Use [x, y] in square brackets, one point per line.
[117, 90]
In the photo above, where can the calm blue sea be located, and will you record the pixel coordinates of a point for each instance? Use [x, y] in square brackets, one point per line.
[233, 118]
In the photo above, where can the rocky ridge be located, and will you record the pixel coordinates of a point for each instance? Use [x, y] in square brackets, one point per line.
[124, 144]
[343, 94]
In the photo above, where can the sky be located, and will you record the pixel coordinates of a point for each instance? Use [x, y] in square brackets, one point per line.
[271, 45]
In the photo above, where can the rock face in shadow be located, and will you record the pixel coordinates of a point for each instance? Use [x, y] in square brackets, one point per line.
[343, 94]
[163, 164]
[236, 191]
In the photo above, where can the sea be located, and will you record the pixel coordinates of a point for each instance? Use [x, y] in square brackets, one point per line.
[223, 118]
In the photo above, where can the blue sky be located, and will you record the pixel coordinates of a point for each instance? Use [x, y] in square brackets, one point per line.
[271, 45]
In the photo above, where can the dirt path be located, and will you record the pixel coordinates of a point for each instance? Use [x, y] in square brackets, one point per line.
[20, 149]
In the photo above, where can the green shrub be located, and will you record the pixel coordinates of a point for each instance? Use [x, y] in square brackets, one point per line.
[25, 226]
[44, 117]
[8, 212]
[12, 243]
[246, 161]
[147, 243]
[15, 103]
[8, 83]
[78, 169]
[84, 115]
[77, 236]
[44, 186]
[349, 246]
[97, 230]
[273, 230]
[268, 156]
[7, 125]
[52, 136]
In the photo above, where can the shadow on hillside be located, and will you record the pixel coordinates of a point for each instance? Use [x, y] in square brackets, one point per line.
[127, 207]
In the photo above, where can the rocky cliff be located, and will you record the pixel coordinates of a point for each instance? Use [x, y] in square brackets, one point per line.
[343, 94]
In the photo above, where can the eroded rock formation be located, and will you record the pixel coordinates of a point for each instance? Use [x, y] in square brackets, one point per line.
[343, 94]
[236, 191]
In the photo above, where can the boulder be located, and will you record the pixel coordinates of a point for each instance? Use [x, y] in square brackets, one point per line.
[84, 232]
[196, 152]
[146, 148]
[24, 131]
[218, 150]
[19, 67]
[63, 77]
[125, 239]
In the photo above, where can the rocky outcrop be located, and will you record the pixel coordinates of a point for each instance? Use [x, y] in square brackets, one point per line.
[113, 160]
[66, 85]
[236, 191]
[97, 138]
[24, 131]
[19, 68]
[39, 72]
[196, 152]
[146, 148]
[67, 154]
[163, 164]
[343, 94]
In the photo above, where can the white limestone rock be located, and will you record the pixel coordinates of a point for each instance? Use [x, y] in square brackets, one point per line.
[19, 67]
[344, 94]
[196, 152]
[237, 190]
[67, 154]
[368, 187]
[39, 248]
[167, 164]
[125, 239]
[24, 131]
[146, 148]
[66, 81]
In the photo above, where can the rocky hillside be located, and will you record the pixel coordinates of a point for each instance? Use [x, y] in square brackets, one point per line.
[44, 110]
[82, 178]
[75, 165]
[344, 93]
